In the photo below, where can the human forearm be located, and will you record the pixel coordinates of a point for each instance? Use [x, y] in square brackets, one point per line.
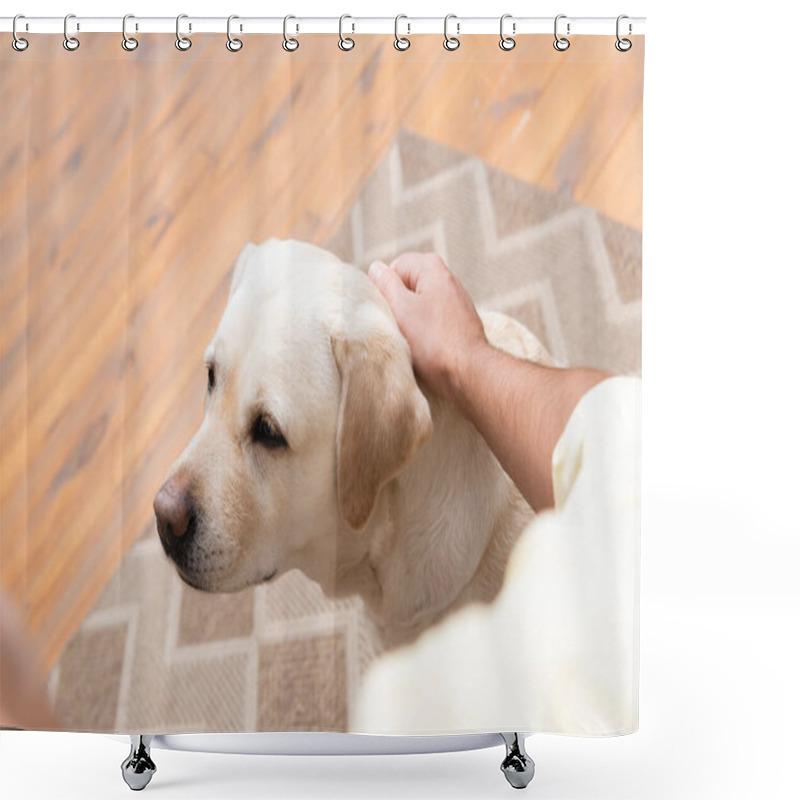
[521, 409]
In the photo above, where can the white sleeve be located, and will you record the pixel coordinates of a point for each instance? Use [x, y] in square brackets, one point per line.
[557, 651]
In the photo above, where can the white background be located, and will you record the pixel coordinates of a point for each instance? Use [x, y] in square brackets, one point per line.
[721, 439]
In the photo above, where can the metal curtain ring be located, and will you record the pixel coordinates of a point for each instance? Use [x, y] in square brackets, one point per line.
[129, 43]
[18, 43]
[561, 44]
[289, 44]
[233, 44]
[182, 42]
[451, 42]
[400, 42]
[507, 42]
[345, 42]
[70, 42]
[623, 45]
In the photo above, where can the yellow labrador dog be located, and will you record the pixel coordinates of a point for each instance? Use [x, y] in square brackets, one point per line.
[319, 451]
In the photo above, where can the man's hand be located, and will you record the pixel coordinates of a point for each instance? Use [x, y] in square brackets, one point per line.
[519, 407]
[435, 314]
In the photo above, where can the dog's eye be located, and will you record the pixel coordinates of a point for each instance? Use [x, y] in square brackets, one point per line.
[265, 433]
[211, 379]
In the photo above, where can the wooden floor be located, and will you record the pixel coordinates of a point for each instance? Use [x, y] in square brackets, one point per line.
[129, 182]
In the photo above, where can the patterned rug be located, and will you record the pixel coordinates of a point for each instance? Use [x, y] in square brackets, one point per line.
[156, 655]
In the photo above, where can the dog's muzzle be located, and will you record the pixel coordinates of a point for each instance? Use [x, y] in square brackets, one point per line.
[176, 519]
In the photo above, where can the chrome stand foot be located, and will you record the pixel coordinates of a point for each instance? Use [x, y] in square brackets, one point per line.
[138, 768]
[517, 766]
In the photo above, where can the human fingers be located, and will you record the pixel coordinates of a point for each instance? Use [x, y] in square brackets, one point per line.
[389, 283]
[415, 268]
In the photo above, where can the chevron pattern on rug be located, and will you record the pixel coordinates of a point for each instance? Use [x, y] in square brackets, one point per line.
[573, 276]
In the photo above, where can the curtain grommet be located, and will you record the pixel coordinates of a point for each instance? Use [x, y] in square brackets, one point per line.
[17, 42]
[70, 43]
[451, 43]
[346, 43]
[233, 44]
[289, 44]
[401, 42]
[129, 43]
[561, 43]
[507, 42]
[183, 43]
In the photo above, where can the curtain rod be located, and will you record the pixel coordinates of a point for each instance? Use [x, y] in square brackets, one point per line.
[407, 25]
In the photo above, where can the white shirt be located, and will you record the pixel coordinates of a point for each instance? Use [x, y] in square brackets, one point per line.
[558, 649]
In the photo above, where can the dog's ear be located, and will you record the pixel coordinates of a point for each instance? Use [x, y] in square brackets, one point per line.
[383, 419]
[238, 267]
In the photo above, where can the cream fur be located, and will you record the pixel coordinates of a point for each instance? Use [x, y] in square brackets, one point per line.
[429, 520]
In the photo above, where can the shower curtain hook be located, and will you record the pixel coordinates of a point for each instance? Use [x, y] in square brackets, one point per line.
[71, 43]
[507, 42]
[289, 44]
[345, 42]
[182, 42]
[129, 43]
[233, 44]
[451, 42]
[18, 43]
[561, 43]
[623, 45]
[400, 42]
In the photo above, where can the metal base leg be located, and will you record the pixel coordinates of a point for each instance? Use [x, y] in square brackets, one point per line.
[517, 766]
[138, 768]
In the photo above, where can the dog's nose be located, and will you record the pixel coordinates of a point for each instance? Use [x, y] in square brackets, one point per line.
[174, 514]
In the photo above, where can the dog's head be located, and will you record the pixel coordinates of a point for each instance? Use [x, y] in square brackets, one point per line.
[311, 408]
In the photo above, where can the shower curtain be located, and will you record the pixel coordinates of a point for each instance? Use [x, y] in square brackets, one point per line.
[184, 242]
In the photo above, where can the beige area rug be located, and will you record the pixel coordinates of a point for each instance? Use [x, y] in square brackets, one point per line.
[156, 655]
